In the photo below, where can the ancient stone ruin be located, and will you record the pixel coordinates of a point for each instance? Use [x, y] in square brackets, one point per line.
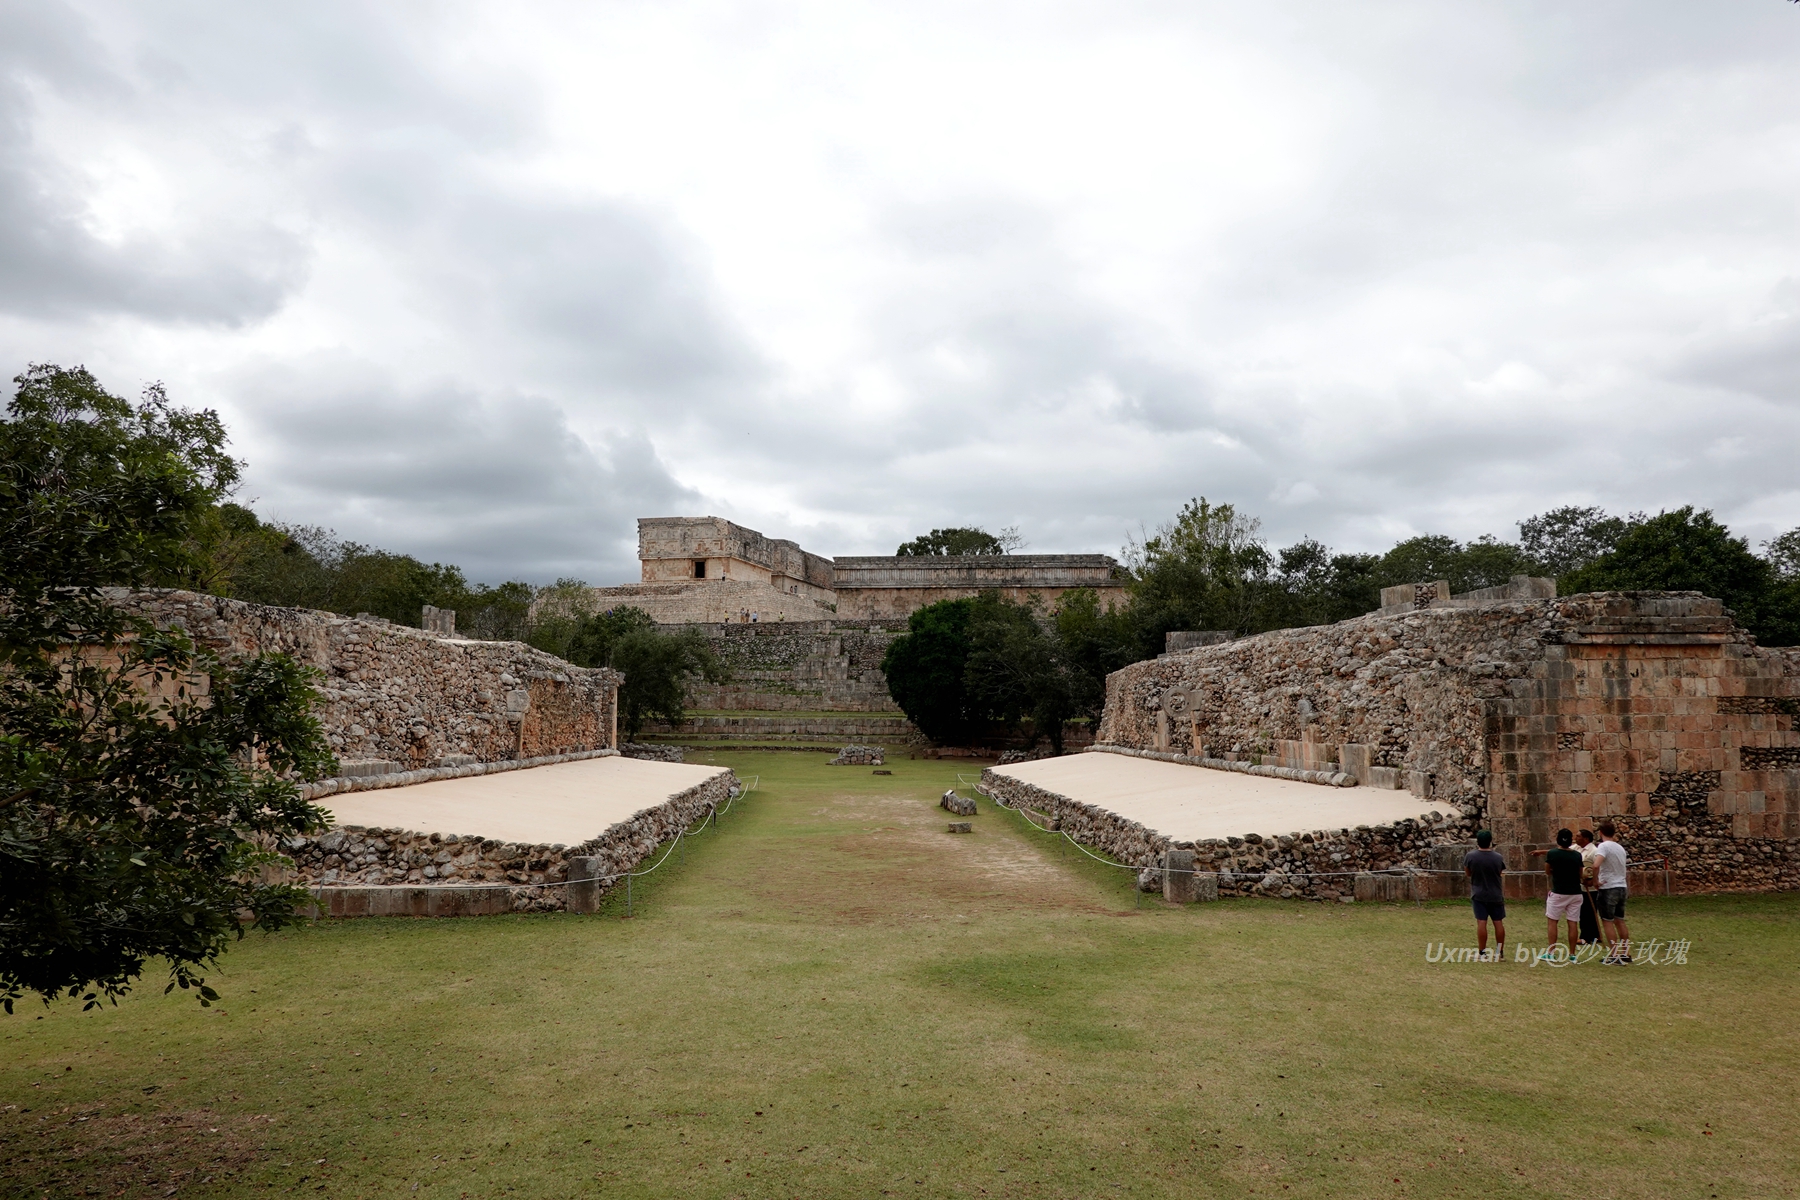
[400, 700]
[700, 570]
[859, 756]
[1525, 713]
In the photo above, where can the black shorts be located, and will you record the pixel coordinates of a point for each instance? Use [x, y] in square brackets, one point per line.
[1489, 910]
[1611, 903]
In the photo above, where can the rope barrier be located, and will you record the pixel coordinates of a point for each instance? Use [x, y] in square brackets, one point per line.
[1286, 874]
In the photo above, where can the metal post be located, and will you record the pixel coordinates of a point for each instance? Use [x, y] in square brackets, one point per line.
[628, 895]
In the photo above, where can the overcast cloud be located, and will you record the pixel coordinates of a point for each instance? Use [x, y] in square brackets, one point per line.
[486, 282]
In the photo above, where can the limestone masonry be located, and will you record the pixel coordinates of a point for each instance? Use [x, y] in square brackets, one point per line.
[1651, 708]
[367, 872]
[698, 570]
[400, 699]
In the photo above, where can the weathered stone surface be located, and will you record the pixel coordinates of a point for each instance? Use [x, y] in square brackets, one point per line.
[370, 872]
[654, 753]
[1654, 710]
[962, 806]
[406, 696]
[859, 756]
[961, 827]
[1178, 876]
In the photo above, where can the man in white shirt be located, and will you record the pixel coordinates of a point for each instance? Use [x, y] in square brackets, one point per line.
[1610, 898]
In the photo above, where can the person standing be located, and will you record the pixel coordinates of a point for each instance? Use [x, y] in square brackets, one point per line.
[1590, 862]
[1610, 899]
[1563, 865]
[1484, 867]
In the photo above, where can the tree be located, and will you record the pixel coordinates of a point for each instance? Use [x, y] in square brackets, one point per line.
[1566, 539]
[1318, 586]
[1688, 550]
[1483, 563]
[1205, 569]
[658, 668]
[1096, 641]
[658, 665]
[590, 643]
[1782, 608]
[1783, 554]
[142, 782]
[924, 669]
[303, 566]
[962, 540]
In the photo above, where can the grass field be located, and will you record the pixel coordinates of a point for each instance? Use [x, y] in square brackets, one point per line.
[831, 996]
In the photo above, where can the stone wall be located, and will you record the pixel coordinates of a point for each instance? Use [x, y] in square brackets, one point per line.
[815, 666]
[356, 871]
[1653, 709]
[1318, 864]
[407, 697]
[712, 601]
[668, 548]
[893, 587]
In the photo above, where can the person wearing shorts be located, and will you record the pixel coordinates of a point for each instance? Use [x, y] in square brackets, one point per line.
[1563, 865]
[1484, 867]
[1610, 899]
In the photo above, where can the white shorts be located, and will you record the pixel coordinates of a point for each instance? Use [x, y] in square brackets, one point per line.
[1563, 908]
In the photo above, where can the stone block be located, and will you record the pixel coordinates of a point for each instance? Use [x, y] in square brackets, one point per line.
[961, 827]
[1370, 886]
[1178, 876]
[962, 806]
[584, 887]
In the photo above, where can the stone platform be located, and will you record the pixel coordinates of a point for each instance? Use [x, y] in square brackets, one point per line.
[568, 803]
[555, 837]
[1192, 804]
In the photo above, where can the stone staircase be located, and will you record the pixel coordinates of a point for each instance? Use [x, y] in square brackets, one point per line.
[796, 685]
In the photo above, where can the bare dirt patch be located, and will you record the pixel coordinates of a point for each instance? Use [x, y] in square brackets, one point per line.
[914, 862]
[91, 1152]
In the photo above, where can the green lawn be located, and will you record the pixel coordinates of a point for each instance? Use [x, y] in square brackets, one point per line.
[831, 996]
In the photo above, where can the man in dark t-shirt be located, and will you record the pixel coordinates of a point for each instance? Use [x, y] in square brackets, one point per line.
[1563, 865]
[1484, 868]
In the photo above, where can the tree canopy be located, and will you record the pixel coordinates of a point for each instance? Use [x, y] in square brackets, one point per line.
[659, 665]
[961, 540]
[143, 782]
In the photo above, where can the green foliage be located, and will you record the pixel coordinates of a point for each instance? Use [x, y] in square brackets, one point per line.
[94, 491]
[591, 642]
[301, 566]
[1096, 641]
[1206, 569]
[924, 669]
[966, 663]
[142, 782]
[1783, 554]
[1017, 667]
[961, 540]
[1482, 563]
[1319, 587]
[1566, 539]
[1688, 550]
[556, 615]
[658, 665]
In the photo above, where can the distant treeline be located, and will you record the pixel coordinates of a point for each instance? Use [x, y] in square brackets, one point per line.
[1209, 568]
[304, 566]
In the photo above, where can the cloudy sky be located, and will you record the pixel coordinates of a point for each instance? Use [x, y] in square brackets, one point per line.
[486, 282]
